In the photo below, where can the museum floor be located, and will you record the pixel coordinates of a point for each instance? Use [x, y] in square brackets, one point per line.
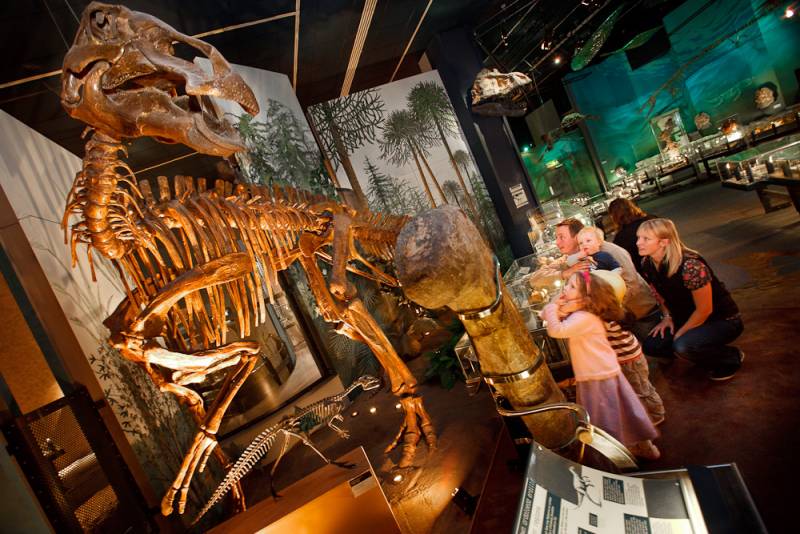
[751, 420]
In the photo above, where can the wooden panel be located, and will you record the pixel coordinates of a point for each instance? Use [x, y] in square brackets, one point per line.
[23, 366]
[323, 502]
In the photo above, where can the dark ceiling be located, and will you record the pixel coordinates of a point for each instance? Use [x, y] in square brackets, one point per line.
[36, 34]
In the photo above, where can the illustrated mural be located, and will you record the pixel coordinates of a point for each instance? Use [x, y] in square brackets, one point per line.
[36, 175]
[400, 148]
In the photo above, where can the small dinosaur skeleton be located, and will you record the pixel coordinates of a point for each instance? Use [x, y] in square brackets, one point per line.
[325, 412]
[197, 261]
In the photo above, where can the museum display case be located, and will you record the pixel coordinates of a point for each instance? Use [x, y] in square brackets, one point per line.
[762, 163]
[781, 123]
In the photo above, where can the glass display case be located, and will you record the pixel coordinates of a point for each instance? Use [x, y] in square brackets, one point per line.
[760, 164]
[774, 125]
[770, 164]
[532, 283]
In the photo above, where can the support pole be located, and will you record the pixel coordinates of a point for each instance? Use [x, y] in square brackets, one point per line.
[442, 261]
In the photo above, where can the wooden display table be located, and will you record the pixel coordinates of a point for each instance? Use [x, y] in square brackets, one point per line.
[329, 500]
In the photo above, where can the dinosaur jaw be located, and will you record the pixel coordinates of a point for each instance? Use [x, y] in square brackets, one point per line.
[122, 77]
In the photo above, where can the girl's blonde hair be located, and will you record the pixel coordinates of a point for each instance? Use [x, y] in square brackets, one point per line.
[599, 297]
[593, 230]
[665, 229]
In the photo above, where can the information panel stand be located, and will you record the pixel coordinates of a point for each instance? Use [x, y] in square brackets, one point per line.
[562, 496]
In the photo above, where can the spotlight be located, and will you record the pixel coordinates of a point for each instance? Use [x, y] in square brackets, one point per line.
[398, 406]
[373, 409]
[526, 149]
[789, 13]
[557, 60]
[465, 502]
[354, 414]
[397, 478]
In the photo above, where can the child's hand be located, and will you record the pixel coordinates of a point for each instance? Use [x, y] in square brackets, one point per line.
[569, 306]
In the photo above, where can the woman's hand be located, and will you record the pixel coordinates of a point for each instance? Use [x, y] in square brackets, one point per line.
[661, 328]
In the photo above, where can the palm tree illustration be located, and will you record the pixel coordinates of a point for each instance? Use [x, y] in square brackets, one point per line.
[346, 124]
[431, 107]
[463, 160]
[454, 191]
[401, 142]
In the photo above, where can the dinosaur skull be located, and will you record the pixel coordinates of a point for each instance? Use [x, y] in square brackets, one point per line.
[122, 77]
[368, 382]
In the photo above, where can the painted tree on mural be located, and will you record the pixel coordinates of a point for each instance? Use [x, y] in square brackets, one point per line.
[385, 193]
[431, 107]
[282, 151]
[405, 139]
[345, 125]
[486, 217]
[454, 193]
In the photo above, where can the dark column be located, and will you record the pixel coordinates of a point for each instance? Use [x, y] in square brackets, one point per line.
[589, 141]
[455, 55]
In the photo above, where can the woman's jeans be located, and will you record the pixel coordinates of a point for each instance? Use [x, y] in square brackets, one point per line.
[705, 345]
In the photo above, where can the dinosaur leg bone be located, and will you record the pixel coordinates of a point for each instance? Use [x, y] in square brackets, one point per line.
[217, 271]
[307, 442]
[344, 434]
[136, 341]
[205, 441]
[284, 448]
[359, 324]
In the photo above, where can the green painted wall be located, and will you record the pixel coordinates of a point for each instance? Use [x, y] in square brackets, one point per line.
[721, 52]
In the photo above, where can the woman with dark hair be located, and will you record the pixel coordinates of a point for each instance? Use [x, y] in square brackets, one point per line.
[699, 315]
[627, 217]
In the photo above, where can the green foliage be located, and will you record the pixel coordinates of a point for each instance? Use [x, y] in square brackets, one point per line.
[348, 123]
[487, 217]
[390, 195]
[431, 108]
[403, 137]
[443, 363]
[282, 151]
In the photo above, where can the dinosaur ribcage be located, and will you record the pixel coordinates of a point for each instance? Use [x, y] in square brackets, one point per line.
[186, 225]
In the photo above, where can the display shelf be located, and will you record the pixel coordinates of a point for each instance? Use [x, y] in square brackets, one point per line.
[763, 163]
[765, 166]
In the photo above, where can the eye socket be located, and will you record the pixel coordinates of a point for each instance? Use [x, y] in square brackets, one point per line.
[104, 24]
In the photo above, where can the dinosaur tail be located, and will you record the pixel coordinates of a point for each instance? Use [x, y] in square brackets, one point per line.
[249, 458]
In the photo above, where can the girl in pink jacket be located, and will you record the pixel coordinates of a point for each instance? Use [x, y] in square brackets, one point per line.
[601, 388]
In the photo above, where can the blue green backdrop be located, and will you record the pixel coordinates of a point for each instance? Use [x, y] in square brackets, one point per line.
[693, 76]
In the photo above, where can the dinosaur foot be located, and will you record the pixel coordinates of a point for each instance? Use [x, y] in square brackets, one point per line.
[417, 422]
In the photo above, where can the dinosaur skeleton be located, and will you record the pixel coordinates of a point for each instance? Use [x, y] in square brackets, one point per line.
[325, 412]
[195, 258]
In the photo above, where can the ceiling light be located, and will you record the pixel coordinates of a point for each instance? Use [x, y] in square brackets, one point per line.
[557, 60]
[373, 409]
[789, 13]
